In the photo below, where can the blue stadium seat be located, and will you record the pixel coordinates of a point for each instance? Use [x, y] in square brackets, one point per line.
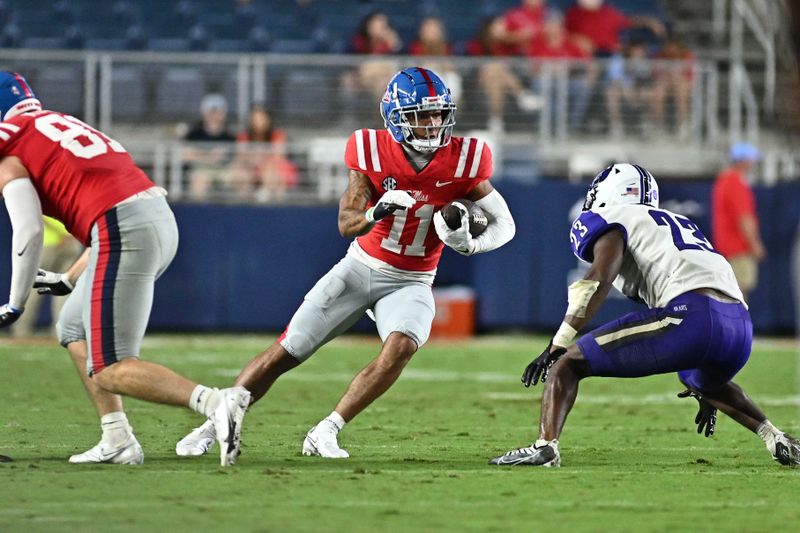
[293, 46]
[171, 44]
[44, 42]
[127, 92]
[60, 87]
[228, 45]
[303, 92]
[179, 92]
[102, 43]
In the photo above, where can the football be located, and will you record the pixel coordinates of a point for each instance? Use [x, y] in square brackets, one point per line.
[477, 218]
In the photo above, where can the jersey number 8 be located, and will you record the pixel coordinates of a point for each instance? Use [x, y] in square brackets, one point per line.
[66, 130]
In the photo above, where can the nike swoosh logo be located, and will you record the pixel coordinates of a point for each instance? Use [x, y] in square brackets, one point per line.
[443, 183]
[23, 250]
[105, 456]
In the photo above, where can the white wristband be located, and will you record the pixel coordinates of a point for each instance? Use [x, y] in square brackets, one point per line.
[564, 335]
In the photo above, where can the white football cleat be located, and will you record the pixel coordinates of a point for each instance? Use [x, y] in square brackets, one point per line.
[130, 453]
[785, 449]
[321, 440]
[227, 420]
[198, 442]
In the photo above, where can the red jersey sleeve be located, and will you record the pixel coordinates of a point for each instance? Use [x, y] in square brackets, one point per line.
[486, 166]
[351, 153]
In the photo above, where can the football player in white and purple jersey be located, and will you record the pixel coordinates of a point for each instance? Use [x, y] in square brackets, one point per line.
[697, 323]
[54, 164]
[400, 178]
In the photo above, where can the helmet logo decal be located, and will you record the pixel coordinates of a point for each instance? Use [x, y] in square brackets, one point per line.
[14, 90]
[632, 190]
[389, 183]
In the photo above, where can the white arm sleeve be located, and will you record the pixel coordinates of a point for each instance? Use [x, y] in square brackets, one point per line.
[25, 212]
[501, 228]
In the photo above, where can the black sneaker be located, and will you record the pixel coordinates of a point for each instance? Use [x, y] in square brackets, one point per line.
[546, 454]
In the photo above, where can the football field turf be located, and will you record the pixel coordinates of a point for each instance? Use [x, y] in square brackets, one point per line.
[632, 460]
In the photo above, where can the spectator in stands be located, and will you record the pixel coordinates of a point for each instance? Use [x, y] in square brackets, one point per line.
[523, 24]
[552, 44]
[60, 250]
[432, 42]
[261, 162]
[206, 163]
[431, 39]
[497, 78]
[734, 220]
[631, 83]
[374, 36]
[598, 26]
[675, 76]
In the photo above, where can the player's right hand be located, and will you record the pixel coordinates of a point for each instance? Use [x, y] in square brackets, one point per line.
[8, 315]
[706, 418]
[539, 367]
[47, 282]
[390, 202]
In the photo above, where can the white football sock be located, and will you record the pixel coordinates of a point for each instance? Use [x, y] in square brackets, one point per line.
[337, 420]
[204, 400]
[768, 432]
[115, 428]
[541, 442]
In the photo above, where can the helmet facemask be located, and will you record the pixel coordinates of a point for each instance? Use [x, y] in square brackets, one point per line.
[421, 131]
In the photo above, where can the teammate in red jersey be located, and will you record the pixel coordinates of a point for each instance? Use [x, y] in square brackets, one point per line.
[54, 164]
[399, 180]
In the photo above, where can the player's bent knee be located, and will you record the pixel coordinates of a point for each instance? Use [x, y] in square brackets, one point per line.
[414, 331]
[574, 362]
[402, 343]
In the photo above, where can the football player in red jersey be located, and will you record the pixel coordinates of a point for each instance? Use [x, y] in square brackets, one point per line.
[54, 164]
[399, 180]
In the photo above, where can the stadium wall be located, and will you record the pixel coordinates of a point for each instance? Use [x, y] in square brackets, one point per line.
[248, 267]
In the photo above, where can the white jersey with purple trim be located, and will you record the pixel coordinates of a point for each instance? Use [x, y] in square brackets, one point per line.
[666, 254]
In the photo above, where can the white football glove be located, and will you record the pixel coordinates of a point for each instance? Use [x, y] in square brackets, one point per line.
[459, 239]
[390, 202]
[47, 282]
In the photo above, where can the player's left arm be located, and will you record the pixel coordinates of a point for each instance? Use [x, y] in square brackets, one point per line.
[501, 228]
[586, 295]
[585, 298]
[25, 213]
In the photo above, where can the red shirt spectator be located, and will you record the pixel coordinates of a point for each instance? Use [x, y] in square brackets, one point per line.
[489, 41]
[553, 42]
[567, 49]
[601, 26]
[731, 199]
[432, 39]
[523, 24]
[375, 36]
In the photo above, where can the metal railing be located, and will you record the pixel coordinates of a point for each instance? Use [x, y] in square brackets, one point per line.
[139, 97]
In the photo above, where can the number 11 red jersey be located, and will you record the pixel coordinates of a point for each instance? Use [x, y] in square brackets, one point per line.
[78, 172]
[407, 239]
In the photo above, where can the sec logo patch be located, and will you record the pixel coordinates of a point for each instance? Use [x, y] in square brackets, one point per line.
[389, 183]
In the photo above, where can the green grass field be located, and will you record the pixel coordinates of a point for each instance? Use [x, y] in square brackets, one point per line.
[632, 460]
